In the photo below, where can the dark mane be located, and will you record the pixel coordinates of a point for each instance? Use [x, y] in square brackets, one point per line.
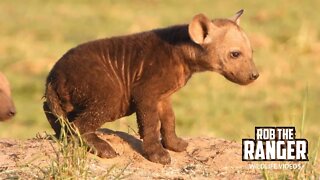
[174, 35]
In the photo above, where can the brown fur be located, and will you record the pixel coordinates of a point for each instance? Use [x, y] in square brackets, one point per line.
[103, 80]
[7, 109]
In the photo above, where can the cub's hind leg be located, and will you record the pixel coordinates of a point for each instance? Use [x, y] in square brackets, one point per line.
[99, 146]
[87, 123]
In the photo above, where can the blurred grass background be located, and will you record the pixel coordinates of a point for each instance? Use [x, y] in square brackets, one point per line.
[285, 35]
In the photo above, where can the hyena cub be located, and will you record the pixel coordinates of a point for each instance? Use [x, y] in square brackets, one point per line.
[7, 109]
[106, 79]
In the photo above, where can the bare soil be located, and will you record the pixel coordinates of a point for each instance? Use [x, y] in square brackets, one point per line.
[205, 158]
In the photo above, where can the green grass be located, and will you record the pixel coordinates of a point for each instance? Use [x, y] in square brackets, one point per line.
[309, 169]
[285, 37]
[70, 160]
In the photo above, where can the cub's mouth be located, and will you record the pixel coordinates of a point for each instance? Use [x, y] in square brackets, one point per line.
[237, 79]
[7, 108]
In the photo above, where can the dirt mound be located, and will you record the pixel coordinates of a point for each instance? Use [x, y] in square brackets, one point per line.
[205, 158]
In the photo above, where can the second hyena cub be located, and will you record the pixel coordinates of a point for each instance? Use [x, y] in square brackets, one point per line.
[7, 108]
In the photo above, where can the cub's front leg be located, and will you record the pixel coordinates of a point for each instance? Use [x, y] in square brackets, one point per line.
[149, 130]
[167, 118]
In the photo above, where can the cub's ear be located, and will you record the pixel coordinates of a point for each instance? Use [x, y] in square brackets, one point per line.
[236, 17]
[199, 29]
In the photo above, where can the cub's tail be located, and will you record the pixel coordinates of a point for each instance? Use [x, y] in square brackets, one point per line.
[52, 108]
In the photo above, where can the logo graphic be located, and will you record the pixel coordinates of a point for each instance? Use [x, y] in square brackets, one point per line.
[275, 144]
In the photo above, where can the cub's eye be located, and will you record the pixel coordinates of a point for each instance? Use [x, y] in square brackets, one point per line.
[235, 54]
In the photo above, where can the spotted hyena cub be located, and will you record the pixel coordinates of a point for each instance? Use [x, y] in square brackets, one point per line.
[7, 109]
[103, 80]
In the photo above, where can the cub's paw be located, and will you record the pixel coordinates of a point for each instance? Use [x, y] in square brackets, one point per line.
[103, 150]
[99, 146]
[159, 156]
[175, 144]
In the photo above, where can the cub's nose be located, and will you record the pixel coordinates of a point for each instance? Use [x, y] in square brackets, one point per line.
[11, 112]
[254, 76]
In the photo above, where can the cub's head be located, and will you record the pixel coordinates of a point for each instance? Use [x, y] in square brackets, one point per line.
[7, 109]
[226, 48]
